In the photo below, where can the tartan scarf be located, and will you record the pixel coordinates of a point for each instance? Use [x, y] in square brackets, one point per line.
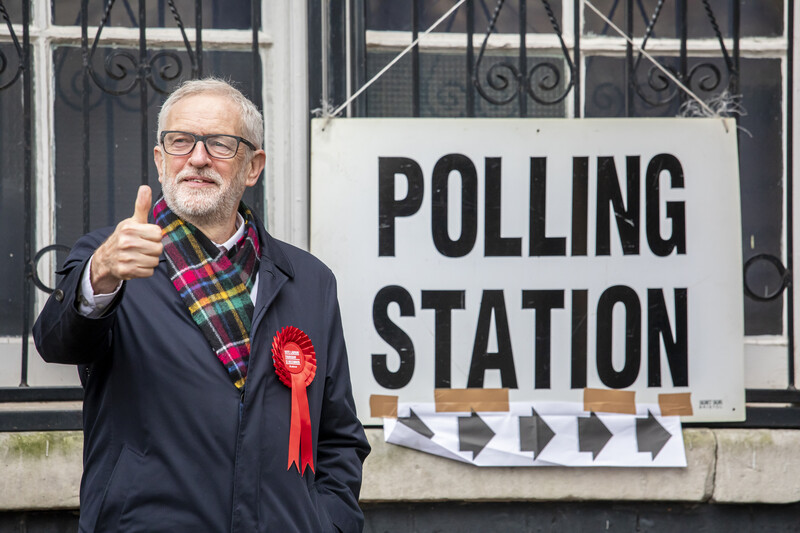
[214, 285]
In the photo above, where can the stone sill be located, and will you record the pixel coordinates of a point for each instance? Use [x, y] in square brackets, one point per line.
[723, 466]
[41, 470]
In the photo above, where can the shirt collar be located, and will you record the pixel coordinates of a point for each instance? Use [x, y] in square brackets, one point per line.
[227, 245]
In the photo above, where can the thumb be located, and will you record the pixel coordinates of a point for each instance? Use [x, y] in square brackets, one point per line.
[144, 200]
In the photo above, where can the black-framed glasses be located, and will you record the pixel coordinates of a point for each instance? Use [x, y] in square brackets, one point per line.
[217, 145]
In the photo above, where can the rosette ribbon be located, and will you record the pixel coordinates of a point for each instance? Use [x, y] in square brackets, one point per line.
[296, 366]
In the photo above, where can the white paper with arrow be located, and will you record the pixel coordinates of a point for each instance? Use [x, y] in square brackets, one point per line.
[541, 434]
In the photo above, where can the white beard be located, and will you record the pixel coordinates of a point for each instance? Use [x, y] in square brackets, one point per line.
[206, 206]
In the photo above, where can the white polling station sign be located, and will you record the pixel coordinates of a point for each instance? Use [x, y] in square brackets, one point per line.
[545, 256]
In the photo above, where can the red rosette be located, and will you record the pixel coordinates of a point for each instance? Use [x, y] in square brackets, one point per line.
[296, 366]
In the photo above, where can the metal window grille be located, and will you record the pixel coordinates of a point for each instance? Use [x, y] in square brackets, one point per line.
[137, 71]
[549, 72]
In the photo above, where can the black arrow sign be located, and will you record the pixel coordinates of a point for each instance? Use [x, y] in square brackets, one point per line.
[593, 435]
[651, 435]
[534, 433]
[473, 434]
[415, 423]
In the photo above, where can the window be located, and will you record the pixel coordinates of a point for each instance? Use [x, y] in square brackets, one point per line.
[736, 48]
[88, 151]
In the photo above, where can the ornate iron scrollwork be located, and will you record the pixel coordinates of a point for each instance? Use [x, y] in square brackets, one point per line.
[706, 82]
[784, 274]
[705, 77]
[120, 63]
[38, 257]
[536, 82]
[170, 71]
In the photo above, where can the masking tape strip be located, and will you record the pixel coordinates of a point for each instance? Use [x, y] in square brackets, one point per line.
[381, 406]
[609, 401]
[460, 400]
[676, 404]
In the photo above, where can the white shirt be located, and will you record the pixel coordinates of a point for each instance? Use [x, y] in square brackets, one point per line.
[93, 305]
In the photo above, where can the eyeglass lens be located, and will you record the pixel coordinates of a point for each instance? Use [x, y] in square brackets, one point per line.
[179, 143]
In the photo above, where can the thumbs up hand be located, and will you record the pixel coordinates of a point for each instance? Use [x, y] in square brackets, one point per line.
[144, 200]
[130, 252]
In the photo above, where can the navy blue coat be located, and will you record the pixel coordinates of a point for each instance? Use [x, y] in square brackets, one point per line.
[169, 442]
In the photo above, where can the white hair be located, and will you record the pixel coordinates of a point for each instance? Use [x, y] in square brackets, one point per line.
[252, 123]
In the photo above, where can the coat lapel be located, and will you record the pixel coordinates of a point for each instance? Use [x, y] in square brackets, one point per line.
[275, 270]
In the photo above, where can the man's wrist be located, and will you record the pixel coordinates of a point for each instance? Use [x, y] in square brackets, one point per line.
[90, 302]
[102, 282]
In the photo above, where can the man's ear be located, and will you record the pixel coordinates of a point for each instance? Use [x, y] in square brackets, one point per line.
[256, 165]
[158, 158]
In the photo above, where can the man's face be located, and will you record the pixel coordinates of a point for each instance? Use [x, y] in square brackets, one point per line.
[197, 187]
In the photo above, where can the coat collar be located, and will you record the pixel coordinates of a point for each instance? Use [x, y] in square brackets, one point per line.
[271, 251]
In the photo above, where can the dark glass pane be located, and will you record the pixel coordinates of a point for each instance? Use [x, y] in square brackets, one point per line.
[224, 14]
[443, 87]
[13, 9]
[12, 198]
[761, 167]
[653, 94]
[762, 18]
[758, 18]
[760, 154]
[605, 94]
[388, 15]
[390, 95]
[395, 15]
[116, 148]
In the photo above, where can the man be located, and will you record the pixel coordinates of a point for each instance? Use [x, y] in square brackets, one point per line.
[211, 353]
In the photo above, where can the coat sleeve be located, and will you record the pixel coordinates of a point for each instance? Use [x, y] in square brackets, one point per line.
[342, 445]
[61, 334]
